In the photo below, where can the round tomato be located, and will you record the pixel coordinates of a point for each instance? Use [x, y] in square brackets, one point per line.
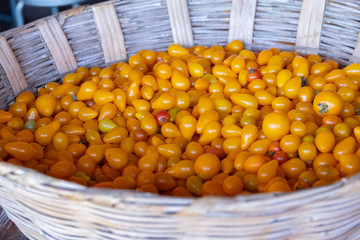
[274, 147]
[162, 117]
[275, 126]
[281, 157]
[253, 74]
[328, 102]
[207, 165]
[139, 135]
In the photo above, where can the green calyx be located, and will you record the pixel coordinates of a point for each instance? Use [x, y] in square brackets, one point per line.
[324, 108]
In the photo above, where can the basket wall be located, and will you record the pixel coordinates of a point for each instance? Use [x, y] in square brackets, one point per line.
[45, 50]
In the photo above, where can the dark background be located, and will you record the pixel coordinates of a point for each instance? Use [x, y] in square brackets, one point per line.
[30, 13]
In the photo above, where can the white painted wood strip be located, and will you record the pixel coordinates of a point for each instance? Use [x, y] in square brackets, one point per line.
[180, 22]
[310, 23]
[58, 45]
[356, 52]
[11, 67]
[111, 36]
[242, 19]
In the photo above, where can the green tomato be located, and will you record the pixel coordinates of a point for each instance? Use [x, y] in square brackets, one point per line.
[105, 125]
[30, 124]
[173, 112]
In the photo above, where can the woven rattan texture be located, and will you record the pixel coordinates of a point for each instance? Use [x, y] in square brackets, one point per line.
[84, 23]
[46, 208]
[339, 35]
[64, 210]
[139, 28]
[33, 56]
[210, 21]
[279, 28]
[5, 94]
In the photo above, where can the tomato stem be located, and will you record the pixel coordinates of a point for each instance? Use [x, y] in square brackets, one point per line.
[299, 187]
[251, 70]
[303, 81]
[74, 97]
[324, 108]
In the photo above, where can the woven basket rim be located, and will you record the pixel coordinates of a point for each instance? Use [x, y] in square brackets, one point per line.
[75, 188]
[45, 207]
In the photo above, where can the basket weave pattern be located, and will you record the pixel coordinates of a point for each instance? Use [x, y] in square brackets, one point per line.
[47, 49]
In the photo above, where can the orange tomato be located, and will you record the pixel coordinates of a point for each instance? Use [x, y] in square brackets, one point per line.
[293, 168]
[248, 135]
[207, 165]
[182, 170]
[44, 135]
[244, 100]
[22, 151]
[116, 158]
[267, 171]
[350, 163]
[275, 126]
[290, 143]
[45, 104]
[233, 185]
[253, 163]
[188, 127]
[169, 150]
[346, 146]
[328, 102]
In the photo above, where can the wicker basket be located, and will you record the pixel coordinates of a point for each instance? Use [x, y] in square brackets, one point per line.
[44, 50]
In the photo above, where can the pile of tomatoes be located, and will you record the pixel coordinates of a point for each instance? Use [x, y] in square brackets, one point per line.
[192, 122]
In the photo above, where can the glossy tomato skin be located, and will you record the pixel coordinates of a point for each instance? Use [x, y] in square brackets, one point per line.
[275, 126]
[274, 147]
[162, 117]
[216, 151]
[280, 156]
[139, 135]
[328, 103]
[253, 74]
[193, 122]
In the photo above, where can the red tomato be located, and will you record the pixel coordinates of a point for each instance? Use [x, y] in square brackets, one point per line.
[253, 74]
[216, 151]
[280, 156]
[140, 135]
[274, 147]
[162, 117]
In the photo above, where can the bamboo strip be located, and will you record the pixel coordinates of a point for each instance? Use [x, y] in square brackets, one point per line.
[111, 36]
[242, 20]
[356, 52]
[58, 45]
[12, 67]
[62, 16]
[310, 23]
[180, 22]
[124, 214]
